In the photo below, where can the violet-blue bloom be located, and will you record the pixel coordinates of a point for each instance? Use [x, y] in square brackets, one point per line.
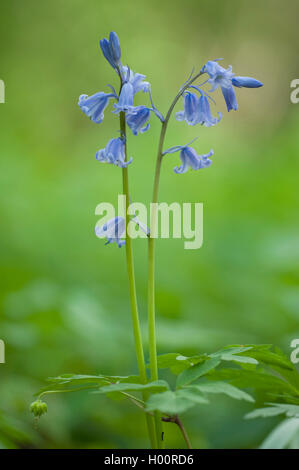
[197, 110]
[205, 117]
[190, 113]
[126, 98]
[94, 106]
[190, 158]
[230, 98]
[111, 50]
[112, 231]
[225, 79]
[114, 153]
[136, 80]
[219, 76]
[137, 119]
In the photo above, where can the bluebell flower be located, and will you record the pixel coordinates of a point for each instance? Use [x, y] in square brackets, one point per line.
[132, 84]
[230, 98]
[94, 106]
[112, 231]
[136, 80]
[111, 50]
[137, 119]
[225, 79]
[126, 98]
[197, 110]
[114, 153]
[204, 112]
[219, 76]
[190, 113]
[190, 158]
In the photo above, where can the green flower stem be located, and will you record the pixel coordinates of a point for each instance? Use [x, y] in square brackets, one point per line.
[133, 296]
[151, 256]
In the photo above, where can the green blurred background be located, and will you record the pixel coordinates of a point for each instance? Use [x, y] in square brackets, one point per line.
[63, 296]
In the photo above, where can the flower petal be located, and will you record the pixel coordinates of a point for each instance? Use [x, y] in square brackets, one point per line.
[230, 98]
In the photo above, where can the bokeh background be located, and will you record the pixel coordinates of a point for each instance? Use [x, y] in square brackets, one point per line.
[63, 296]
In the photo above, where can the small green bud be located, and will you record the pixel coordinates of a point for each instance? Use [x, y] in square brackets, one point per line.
[38, 408]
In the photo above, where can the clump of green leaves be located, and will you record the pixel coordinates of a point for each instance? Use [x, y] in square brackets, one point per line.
[259, 369]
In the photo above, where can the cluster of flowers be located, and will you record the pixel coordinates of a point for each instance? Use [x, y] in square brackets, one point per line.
[196, 111]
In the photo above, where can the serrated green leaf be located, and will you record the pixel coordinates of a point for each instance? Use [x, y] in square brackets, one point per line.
[247, 347]
[237, 358]
[177, 362]
[222, 387]
[264, 413]
[83, 379]
[282, 436]
[257, 379]
[156, 386]
[77, 382]
[199, 370]
[173, 403]
[291, 411]
[274, 410]
[232, 349]
[76, 379]
[272, 359]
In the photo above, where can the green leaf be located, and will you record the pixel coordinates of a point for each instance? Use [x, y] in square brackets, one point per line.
[157, 386]
[282, 436]
[271, 359]
[98, 379]
[177, 362]
[199, 370]
[222, 387]
[236, 358]
[232, 349]
[257, 379]
[76, 382]
[77, 379]
[173, 403]
[274, 410]
[264, 412]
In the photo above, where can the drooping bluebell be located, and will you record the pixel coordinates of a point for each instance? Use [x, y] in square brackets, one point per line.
[197, 110]
[190, 158]
[112, 231]
[205, 117]
[136, 79]
[190, 113]
[114, 153]
[126, 98]
[94, 106]
[137, 119]
[225, 79]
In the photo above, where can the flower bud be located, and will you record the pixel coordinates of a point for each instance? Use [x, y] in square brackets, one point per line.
[38, 408]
